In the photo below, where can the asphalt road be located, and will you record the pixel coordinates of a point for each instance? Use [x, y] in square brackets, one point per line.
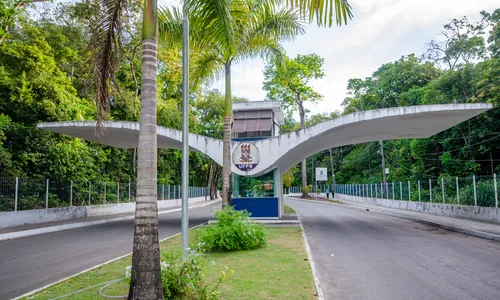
[32, 262]
[365, 255]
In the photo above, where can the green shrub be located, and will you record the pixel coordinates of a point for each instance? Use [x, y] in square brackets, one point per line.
[232, 231]
[485, 193]
[182, 278]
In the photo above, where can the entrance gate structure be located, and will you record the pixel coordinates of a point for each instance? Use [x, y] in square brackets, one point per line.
[260, 154]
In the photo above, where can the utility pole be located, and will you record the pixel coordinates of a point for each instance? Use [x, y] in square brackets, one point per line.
[383, 167]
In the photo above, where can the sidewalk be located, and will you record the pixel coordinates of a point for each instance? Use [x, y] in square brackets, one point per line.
[475, 228]
[40, 228]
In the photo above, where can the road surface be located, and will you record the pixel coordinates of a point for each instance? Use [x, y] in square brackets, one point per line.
[365, 255]
[35, 261]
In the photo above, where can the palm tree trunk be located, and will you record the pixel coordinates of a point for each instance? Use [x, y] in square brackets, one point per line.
[146, 277]
[226, 152]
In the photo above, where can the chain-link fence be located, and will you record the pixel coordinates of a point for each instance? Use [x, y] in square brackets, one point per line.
[471, 190]
[24, 194]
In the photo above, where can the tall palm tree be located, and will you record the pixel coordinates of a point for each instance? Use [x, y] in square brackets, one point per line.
[255, 28]
[146, 281]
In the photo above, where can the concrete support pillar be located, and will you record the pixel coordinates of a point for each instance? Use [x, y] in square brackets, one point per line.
[278, 192]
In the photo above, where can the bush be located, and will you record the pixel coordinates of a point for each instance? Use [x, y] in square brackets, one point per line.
[485, 193]
[233, 231]
[182, 278]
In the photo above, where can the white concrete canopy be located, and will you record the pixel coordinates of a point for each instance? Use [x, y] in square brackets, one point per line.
[286, 150]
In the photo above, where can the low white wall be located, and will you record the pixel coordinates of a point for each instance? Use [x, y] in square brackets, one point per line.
[488, 214]
[35, 216]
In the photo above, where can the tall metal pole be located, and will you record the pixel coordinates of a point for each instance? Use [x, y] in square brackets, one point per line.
[185, 128]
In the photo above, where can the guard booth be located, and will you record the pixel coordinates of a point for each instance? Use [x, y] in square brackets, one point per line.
[262, 196]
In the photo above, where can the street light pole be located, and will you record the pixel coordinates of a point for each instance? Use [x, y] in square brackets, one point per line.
[185, 128]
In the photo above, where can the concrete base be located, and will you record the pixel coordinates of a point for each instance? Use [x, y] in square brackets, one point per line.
[484, 214]
[35, 216]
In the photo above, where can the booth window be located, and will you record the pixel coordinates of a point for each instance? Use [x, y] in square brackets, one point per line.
[253, 187]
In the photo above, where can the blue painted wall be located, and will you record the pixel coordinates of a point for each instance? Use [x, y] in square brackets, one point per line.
[258, 207]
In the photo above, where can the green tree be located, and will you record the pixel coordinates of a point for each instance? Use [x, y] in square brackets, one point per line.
[494, 38]
[462, 43]
[289, 83]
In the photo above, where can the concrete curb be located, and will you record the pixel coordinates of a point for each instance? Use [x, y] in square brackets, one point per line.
[317, 282]
[30, 232]
[96, 266]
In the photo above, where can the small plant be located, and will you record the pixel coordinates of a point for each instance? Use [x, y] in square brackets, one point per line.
[232, 231]
[182, 278]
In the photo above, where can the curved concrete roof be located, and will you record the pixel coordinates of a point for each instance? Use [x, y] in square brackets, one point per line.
[286, 150]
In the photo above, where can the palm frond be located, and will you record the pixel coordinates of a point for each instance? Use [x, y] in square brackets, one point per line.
[104, 49]
[282, 25]
[170, 26]
[324, 11]
[207, 66]
[216, 20]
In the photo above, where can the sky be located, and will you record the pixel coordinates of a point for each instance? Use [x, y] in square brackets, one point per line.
[381, 31]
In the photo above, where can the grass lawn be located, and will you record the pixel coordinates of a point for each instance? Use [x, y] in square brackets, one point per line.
[278, 271]
[289, 210]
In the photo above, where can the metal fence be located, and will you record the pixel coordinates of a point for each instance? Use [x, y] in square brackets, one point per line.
[318, 189]
[23, 193]
[473, 190]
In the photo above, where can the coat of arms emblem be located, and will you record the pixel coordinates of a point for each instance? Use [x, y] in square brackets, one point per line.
[245, 154]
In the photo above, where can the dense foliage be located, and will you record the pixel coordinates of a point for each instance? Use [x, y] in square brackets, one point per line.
[45, 76]
[468, 71]
[233, 230]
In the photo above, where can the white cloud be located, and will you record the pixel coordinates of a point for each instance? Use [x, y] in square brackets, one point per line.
[381, 31]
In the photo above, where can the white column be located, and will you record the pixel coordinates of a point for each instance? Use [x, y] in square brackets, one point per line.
[117, 192]
[458, 192]
[401, 190]
[393, 191]
[129, 191]
[278, 191]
